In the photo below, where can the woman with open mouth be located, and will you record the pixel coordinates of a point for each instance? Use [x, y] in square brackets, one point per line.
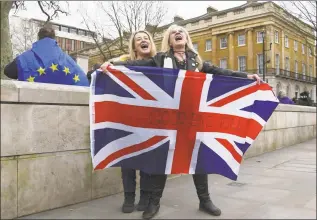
[141, 46]
[177, 52]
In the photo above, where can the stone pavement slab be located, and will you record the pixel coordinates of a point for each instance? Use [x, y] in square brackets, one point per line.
[279, 184]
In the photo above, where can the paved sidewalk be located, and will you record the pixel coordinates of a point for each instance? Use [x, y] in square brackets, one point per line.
[279, 184]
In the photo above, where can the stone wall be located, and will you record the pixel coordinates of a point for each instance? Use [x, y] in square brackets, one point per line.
[45, 157]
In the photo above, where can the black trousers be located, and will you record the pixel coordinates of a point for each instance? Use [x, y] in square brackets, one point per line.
[200, 180]
[129, 180]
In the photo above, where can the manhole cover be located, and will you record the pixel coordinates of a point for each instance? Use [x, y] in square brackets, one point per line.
[236, 184]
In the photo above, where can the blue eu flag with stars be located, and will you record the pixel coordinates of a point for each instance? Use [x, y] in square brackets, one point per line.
[47, 63]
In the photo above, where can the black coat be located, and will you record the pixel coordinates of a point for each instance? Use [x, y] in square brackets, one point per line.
[159, 58]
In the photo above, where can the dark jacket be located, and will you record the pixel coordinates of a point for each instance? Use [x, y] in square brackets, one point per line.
[159, 58]
[11, 70]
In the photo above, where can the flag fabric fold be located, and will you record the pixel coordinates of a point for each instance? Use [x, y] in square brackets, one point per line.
[167, 121]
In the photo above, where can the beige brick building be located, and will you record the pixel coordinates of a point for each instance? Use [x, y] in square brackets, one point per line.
[233, 39]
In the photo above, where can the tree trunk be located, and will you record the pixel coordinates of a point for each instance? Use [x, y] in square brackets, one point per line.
[6, 46]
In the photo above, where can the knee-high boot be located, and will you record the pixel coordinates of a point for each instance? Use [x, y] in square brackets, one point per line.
[205, 203]
[129, 185]
[157, 186]
[145, 190]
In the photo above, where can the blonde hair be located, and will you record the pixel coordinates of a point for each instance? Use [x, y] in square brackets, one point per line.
[189, 45]
[121, 58]
[132, 52]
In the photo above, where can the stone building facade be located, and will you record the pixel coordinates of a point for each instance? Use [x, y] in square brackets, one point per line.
[235, 39]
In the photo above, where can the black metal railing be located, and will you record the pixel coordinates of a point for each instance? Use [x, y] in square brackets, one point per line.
[284, 74]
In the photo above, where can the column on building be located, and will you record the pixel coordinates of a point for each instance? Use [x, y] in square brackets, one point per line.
[214, 50]
[307, 61]
[272, 48]
[282, 58]
[250, 49]
[231, 51]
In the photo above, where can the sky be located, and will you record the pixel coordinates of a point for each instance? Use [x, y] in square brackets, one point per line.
[185, 9]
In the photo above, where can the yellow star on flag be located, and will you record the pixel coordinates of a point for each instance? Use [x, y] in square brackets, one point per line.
[30, 79]
[54, 67]
[66, 70]
[76, 78]
[41, 71]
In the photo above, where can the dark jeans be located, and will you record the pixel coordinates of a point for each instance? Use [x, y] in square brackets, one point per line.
[129, 180]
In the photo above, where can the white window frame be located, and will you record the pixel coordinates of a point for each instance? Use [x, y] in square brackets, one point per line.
[220, 63]
[277, 63]
[295, 45]
[276, 37]
[303, 68]
[195, 47]
[221, 42]
[310, 70]
[309, 51]
[241, 35]
[259, 36]
[245, 63]
[287, 61]
[206, 45]
[303, 49]
[286, 41]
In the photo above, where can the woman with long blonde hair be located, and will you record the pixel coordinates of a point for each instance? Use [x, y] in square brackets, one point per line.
[141, 46]
[177, 52]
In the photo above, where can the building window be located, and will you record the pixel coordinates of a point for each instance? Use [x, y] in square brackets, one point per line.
[286, 41]
[208, 45]
[223, 42]
[303, 68]
[55, 27]
[309, 50]
[73, 45]
[259, 37]
[195, 45]
[277, 63]
[295, 45]
[73, 30]
[260, 63]
[82, 32]
[223, 63]
[64, 29]
[310, 70]
[303, 49]
[81, 44]
[241, 39]
[242, 63]
[287, 63]
[276, 37]
[63, 43]
[296, 66]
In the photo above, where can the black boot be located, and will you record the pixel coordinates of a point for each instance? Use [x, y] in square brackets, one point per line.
[152, 208]
[128, 204]
[158, 185]
[206, 205]
[144, 200]
[209, 207]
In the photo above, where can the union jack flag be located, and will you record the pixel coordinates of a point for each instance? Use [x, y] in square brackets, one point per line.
[175, 121]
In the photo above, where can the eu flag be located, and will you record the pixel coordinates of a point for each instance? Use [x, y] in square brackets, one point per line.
[47, 63]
